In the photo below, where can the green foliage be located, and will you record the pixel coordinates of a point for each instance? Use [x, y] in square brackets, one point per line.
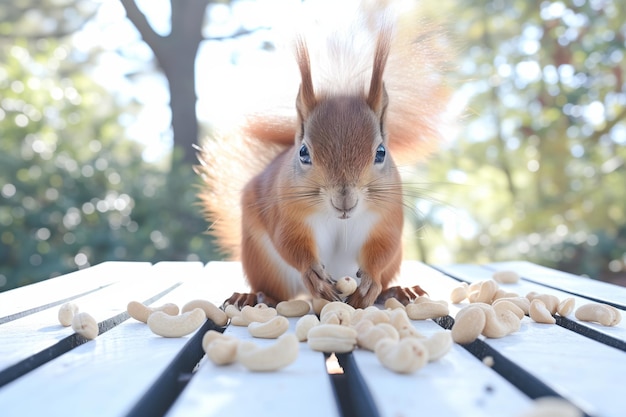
[538, 169]
[73, 191]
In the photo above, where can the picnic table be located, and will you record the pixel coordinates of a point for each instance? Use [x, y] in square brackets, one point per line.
[48, 370]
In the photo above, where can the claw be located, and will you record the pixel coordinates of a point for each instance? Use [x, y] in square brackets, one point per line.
[240, 300]
[320, 283]
[403, 294]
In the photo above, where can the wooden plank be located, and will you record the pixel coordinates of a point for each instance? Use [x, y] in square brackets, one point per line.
[456, 385]
[574, 284]
[109, 375]
[473, 273]
[302, 389]
[580, 369]
[106, 376]
[29, 299]
[24, 337]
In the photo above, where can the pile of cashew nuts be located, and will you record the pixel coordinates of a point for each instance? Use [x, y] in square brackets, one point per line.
[338, 327]
[494, 312]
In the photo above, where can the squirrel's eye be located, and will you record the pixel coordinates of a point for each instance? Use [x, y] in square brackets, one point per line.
[380, 154]
[305, 157]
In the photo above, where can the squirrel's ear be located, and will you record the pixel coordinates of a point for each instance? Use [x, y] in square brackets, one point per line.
[306, 100]
[377, 98]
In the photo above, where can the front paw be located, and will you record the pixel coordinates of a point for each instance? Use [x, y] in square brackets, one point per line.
[240, 300]
[403, 294]
[366, 293]
[319, 283]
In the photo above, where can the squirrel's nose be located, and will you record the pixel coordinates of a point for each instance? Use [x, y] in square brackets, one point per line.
[345, 201]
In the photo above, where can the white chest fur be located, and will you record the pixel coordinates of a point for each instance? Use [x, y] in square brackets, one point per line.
[339, 241]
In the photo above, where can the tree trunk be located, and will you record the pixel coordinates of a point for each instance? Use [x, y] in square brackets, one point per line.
[179, 67]
[176, 54]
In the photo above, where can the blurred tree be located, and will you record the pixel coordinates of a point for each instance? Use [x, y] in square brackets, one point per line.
[44, 18]
[73, 190]
[176, 55]
[539, 168]
[175, 52]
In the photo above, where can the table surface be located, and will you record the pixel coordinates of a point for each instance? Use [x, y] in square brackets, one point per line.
[46, 369]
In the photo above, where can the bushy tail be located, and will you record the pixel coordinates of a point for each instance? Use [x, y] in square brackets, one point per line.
[227, 163]
[342, 53]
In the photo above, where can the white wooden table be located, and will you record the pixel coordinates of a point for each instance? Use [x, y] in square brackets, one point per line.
[47, 370]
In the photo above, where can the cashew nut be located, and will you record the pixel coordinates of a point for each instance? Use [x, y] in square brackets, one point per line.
[362, 326]
[506, 277]
[403, 325]
[488, 361]
[500, 293]
[66, 313]
[336, 306]
[260, 312]
[346, 286]
[506, 304]
[333, 318]
[485, 292]
[483, 318]
[459, 293]
[270, 329]
[423, 308]
[332, 338]
[222, 351]
[566, 307]
[369, 334]
[213, 313]
[375, 315]
[304, 324]
[551, 301]
[438, 344]
[165, 325]
[232, 311]
[468, 324]
[318, 304]
[499, 323]
[540, 313]
[268, 358]
[213, 335]
[604, 314]
[357, 316]
[522, 302]
[393, 303]
[403, 356]
[336, 317]
[293, 308]
[141, 312]
[234, 314]
[85, 325]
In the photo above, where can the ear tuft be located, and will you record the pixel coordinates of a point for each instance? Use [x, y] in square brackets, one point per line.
[306, 95]
[377, 97]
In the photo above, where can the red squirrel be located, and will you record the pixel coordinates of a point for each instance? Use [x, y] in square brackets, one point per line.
[307, 201]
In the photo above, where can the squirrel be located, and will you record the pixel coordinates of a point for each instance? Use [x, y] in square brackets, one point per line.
[305, 200]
